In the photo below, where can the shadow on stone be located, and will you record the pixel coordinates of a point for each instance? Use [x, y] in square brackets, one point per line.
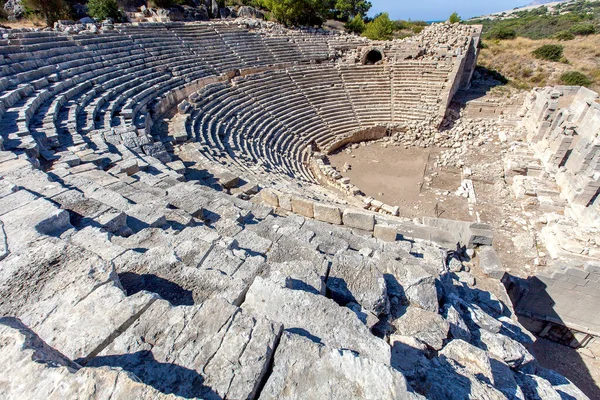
[170, 291]
[164, 377]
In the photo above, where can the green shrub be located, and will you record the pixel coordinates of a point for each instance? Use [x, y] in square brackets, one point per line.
[381, 28]
[356, 25]
[161, 3]
[103, 9]
[550, 52]
[297, 12]
[575, 78]
[502, 32]
[564, 35]
[583, 29]
[50, 10]
[454, 18]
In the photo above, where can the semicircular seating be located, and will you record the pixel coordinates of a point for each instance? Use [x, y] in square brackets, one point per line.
[271, 119]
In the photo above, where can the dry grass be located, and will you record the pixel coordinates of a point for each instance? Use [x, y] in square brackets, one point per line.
[25, 23]
[514, 60]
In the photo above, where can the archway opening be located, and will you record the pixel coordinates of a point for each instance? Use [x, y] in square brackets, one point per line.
[373, 57]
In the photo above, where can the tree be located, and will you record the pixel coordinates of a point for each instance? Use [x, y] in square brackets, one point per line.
[454, 18]
[381, 28]
[349, 9]
[297, 12]
[103, 9]
[50, 10]
[356, 25]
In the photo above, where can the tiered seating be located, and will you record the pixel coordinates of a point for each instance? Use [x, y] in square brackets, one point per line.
[208, 46]
[416, 90]
[246, 45]
[326, 93]
[369, 89]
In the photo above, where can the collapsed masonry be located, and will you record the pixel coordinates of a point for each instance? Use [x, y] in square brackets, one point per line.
[127, 272]
[559, 174]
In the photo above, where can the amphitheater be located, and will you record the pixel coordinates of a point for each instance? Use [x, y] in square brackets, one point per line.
[171, 227]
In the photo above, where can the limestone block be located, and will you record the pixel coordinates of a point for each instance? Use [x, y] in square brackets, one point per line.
[304, 369]
[215, 344]
[358, 219]
[30, 369]
[270, 197]
[489, 262]
[327, 213]
[303, 207]
[315, 316]
[354, 278]
[285, 201]
[386, 233]
[410, 283]
[426, 326]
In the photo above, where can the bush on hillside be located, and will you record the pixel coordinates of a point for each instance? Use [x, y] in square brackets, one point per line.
[49, 10]
[454, 18]
[297, 12]
[381, 28]
[2, 12]
[564, 35]
[583, 29]
[502, 33]
[550, 52]
[103, 9]
[346, 10]
[575, 78]
[356, 25]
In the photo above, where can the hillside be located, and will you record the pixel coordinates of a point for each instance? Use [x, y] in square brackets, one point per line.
[511, 38]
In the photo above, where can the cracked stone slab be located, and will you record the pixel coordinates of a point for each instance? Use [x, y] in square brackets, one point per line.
[304, 369]
[31, 369]
[212, 350]
[354, 278]
[316, 317]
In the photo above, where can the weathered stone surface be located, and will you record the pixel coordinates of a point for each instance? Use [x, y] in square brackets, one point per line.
[358, 219]
[327, 213]
[30, 369]
[205, 351]
[270, 197]
[316, 317]
[458, 327]
[303, 207]
[410, 283]
[430, 328]
[307, 370]
[489, 262]
[354, 278]
[478, 363]
[299, 275]
[507, 350]
[387, 233]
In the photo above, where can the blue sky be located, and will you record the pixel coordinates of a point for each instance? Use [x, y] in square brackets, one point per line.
[433, 10]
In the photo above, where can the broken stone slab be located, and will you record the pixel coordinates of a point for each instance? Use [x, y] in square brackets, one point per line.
[98, 242]
[489, 262]
[146, 215]
[207, 350]
[427, 327]
[74, 308]
[270, 197]
[327, 213]
[316, 317]
[354, 278]
[509, 351]
[299, 275]
[358, 219]
[479, 364]
[458, 327]
[303, 369]
[408, 354]
[30, 369]
[410, 283]
[32, 221]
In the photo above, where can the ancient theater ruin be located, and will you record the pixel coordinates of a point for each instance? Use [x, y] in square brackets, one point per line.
[171, 225]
